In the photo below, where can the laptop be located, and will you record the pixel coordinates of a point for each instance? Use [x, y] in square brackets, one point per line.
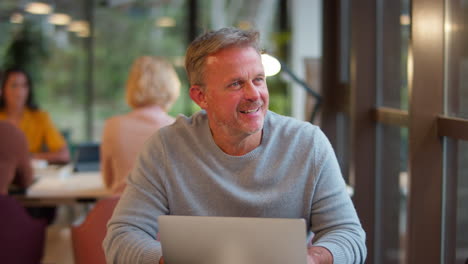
[232, 240]
[87, 157]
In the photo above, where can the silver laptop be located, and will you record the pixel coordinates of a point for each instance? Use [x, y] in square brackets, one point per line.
[232, 240]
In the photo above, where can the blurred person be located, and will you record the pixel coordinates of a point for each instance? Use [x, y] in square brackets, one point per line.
[15, 162]
[152, 88]
[235, 158]
[17, 106]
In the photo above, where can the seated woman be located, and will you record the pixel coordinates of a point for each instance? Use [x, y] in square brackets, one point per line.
[15, 163]
[18, 107]
[152, 88]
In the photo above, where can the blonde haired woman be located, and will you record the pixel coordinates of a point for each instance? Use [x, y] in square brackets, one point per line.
[152, 88]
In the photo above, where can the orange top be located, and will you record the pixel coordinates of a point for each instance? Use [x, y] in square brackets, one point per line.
[39, 131]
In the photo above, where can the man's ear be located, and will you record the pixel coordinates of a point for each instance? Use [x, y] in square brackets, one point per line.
[198, 95]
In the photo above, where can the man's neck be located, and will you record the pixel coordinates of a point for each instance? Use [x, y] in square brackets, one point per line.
[238, 146]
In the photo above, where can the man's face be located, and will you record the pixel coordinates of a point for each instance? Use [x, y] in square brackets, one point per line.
[235, 95]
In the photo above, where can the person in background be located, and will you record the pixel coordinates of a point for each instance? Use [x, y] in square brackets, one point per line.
[235, 158]
[17, 106]
[15, 163]
[152, 88]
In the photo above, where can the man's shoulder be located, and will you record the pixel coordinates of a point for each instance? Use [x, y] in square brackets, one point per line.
[291, 131]
[184, 133]
[184, 126]
[186, 122]
[281, 122]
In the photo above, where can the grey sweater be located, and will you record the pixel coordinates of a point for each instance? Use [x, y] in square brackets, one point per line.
[292, 174]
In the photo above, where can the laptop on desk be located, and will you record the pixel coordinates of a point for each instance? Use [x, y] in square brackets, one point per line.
[87, 157]
[232, 240]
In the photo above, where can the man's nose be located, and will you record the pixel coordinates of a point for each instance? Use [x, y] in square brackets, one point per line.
[251, 91]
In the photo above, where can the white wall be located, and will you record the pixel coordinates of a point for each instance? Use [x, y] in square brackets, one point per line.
[306, 23]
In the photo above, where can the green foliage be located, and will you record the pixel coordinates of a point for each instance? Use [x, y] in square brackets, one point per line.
[281, 40]
[279, 95]
[120, 38]
[28, 49]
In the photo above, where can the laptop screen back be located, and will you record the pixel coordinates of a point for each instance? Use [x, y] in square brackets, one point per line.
[87, 157]
[232, 240]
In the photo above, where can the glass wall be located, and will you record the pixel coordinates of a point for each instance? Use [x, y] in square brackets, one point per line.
[80, 52]
[393, 38]
[343, 123]
[393, 41]
[409, 89]
[124, 32]
[391, 194]
[461, 240]
[39, 39]
[456, 151]
[80, 63]
[456, 202]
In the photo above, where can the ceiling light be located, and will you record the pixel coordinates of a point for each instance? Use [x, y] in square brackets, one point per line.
[165, 22]
[78, 26]
[271, 65]
[16, 18]
[59, 19]
[83, 34]
[38, 8]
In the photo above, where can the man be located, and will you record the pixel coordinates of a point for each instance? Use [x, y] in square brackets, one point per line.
[235, 158]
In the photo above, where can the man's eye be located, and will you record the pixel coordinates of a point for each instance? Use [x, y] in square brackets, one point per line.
[259, 80]
[235, 84]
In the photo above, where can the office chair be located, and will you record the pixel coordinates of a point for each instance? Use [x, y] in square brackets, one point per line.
[21, 236]
[88, 236]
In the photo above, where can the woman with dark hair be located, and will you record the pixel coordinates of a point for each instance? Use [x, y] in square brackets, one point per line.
[17, 106]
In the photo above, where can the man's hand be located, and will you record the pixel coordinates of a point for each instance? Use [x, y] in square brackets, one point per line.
[161, 260]
[319, 255]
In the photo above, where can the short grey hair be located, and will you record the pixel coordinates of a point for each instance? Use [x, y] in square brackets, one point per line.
[212, 42]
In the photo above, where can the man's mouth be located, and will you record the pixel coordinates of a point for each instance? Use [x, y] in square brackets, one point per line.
[250, 111]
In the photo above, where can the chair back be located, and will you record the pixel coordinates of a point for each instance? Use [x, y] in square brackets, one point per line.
[21, 236]
[88, 236]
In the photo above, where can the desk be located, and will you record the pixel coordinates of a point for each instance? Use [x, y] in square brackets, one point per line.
[62, 186]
